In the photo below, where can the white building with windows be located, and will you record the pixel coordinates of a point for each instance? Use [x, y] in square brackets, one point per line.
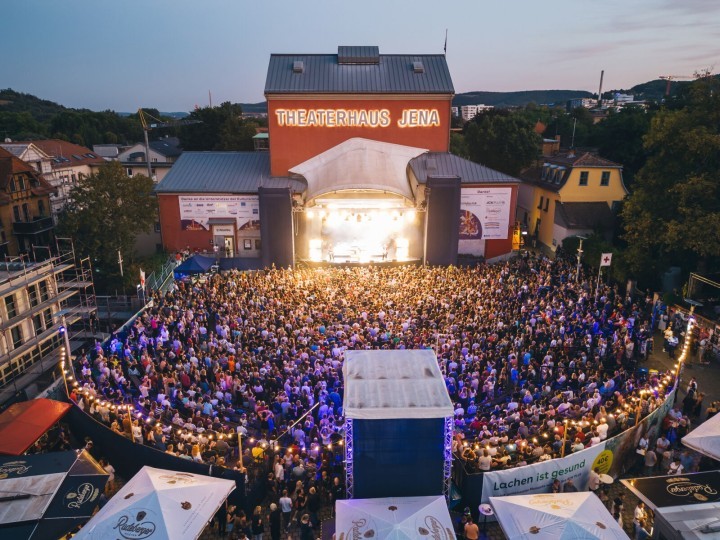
[163, 153]
[468, 112]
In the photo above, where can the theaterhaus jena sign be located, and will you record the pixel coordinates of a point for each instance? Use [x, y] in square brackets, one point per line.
[375, 118]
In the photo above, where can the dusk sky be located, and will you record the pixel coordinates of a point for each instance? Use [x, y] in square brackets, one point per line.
[169, 53]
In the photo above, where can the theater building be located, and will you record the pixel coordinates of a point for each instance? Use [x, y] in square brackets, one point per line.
[358, 170]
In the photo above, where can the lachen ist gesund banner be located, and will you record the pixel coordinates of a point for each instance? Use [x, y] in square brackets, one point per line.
[538, 478]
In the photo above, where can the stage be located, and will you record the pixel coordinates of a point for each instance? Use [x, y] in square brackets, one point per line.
[350, 262]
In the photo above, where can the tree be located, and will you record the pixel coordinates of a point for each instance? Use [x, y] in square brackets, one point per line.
[620, 138]
[502, 141]
[220, 128]
[673, 215]
[107, 210]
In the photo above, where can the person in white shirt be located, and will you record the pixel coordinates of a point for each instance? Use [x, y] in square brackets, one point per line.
[602, 429]
[485, 461]
[594, 479]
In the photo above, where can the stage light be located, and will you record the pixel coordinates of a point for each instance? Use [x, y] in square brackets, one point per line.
[322, 214]
[310, 214]
[410, 216]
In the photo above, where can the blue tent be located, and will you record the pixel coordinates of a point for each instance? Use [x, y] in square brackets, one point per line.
[197, 264]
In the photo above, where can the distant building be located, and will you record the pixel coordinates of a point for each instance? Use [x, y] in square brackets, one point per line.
[109, 152]
[68, 163]
[163, 153]
[469, 112]
[623, 98]
[455, 111]
[25, 219]
[569, 195]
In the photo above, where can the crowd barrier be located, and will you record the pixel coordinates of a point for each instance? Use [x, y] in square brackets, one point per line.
[613, 456]
[129, 457]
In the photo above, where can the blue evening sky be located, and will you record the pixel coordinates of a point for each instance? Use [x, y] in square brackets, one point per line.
[125, 54]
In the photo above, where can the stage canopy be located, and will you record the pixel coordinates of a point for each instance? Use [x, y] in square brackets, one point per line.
[47, 495]
[23, 423]
[705, 438]
[158, 505]
[383, 385]
[396, 518]
[556, 516]
[359, 164]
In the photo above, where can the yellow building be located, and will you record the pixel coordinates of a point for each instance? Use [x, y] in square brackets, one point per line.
[569, 195]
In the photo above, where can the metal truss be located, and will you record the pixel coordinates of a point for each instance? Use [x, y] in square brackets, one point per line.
[349, 444]
[448, 455]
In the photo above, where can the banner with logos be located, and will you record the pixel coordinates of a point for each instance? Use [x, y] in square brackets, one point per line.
[197, 211]
[678, 490]
[485, 213]
[539, 477]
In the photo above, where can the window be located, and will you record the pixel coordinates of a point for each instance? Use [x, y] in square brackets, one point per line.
[584, 178]
[37, 324]
[157, 226]
[129, 171]
[16, 213]
[33, 295]
[547, 204]
[48, 318]
[12, 184]
[43, 290]
[17, 336]
[542, 199]
[605, 179]
[41, 207]
[21, 183]
[26, 212]
[10, 306]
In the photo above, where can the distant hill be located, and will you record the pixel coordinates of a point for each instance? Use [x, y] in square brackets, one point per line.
[17, 102]
[502, 100]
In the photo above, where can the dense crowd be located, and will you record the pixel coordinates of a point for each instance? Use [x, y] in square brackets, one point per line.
[528, 350]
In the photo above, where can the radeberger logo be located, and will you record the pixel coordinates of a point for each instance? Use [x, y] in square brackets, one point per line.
[14, 467]
[178, 478]
[603, 461]
[135, 527]
[684, 487]
[432, 528]
[552, 500]
[86, 492]
[359, 530]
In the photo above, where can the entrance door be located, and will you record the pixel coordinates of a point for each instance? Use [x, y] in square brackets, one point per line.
[229, 247]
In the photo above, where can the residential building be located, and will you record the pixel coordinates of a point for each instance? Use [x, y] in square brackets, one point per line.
[67, 164]
[468, 112]
[32, 155]
[163, 153]
[25, 219]
[569, 195]
[455, 111]
[45, 307]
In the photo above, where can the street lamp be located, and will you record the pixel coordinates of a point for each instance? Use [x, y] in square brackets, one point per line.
[579, 258]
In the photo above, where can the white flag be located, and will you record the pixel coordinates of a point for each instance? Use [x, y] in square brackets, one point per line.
[606, 259]
[142, 278]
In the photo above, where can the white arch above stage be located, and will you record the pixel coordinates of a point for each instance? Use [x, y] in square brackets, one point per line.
[359, 164]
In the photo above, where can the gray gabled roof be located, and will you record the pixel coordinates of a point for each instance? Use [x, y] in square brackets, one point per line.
[355, 71]
[168, 147]
[444, 164]
[223, 172]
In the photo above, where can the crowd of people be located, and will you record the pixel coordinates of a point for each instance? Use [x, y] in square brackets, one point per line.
[535, 363]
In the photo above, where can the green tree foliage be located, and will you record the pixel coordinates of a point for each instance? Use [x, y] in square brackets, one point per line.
[503, 141]
[620, 139]
[220, 128]
[107, 211]
[673, 215]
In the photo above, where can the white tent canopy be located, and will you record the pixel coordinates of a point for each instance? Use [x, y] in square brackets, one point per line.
[705, 438]
[359, 164]
[557, 516]
[157, 504]
[394, 384]
[394, 518]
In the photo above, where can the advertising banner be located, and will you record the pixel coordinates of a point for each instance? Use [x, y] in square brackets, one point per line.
[679, 490]
[196, 212]
[538, 478]
[484, 213]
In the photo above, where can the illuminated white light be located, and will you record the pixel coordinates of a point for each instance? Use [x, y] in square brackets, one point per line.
[410, 216]
[310, 214]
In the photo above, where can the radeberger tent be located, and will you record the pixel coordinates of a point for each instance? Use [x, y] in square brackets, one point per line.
[394, 518]
[556, 516]
[157, 505]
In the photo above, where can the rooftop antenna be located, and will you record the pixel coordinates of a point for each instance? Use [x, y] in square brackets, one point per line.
[445, 47]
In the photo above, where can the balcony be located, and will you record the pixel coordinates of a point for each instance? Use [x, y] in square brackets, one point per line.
[36, 225]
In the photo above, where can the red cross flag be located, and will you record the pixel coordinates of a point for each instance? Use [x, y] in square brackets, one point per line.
[606, 259]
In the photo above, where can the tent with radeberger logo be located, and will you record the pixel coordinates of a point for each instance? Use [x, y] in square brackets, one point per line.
[394, 518]
[157, 504]
[48, 495]
[556, 516]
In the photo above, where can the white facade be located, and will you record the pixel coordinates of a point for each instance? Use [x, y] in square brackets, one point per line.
[469, 112]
